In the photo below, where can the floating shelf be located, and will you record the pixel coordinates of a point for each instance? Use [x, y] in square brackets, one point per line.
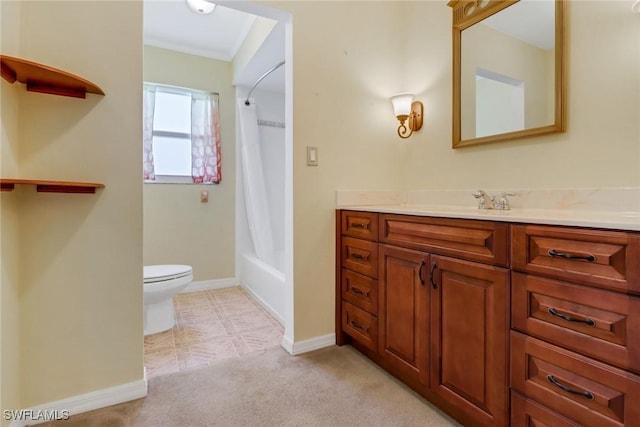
[44, 79]
[51, 186]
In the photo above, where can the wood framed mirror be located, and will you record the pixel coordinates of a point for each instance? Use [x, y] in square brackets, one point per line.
[509, 78]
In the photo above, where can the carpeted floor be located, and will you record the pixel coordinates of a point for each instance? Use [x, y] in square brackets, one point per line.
[336, 386]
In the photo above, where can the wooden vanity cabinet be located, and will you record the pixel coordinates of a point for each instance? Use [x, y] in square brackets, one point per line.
[442, 306]
[432, 301]
[575, 343]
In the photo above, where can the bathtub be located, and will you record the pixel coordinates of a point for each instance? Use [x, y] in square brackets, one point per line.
[265, 283]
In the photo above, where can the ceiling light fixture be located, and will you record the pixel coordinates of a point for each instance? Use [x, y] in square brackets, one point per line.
[201, 6]
[405, 109]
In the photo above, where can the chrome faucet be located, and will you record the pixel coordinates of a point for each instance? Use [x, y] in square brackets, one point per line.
[491, 202]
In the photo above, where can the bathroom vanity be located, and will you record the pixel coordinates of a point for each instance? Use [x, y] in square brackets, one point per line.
[496, 320]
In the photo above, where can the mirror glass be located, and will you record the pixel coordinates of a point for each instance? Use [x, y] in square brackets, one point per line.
[507, 70]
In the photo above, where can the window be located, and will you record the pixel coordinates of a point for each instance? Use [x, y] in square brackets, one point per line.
[181, 135]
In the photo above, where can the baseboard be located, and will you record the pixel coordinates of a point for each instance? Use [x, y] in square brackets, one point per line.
[205, 285]
[83, 402]
[263, 304]
[300, 347]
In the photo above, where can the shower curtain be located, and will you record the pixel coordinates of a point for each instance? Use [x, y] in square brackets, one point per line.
[254, 183]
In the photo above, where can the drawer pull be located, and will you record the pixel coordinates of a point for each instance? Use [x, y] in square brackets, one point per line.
[588, 321]
[359, 225]
[555, 382]
[357, 291]
[554, 253]
[358, 325]
[358, 257]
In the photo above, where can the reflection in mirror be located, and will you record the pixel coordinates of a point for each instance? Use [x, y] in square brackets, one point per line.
[507, 69]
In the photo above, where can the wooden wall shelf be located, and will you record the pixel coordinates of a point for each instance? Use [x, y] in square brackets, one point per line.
[44, 79]
[43, 186]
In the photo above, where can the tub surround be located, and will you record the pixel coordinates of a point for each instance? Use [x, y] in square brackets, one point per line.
[611, 208]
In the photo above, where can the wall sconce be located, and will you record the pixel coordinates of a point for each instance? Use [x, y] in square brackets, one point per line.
[201, 6]
[405, 109]
[635, 7]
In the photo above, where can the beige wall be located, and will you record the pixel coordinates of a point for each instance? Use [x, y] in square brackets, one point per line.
[347, 60]
[79, 296]
[9, 248]
[178, 228]
[9, 267]
[343, 76]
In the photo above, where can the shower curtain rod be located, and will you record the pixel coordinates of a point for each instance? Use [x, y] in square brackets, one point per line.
[271, 70]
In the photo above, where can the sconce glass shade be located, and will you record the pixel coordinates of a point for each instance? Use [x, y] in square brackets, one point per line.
[406, 110]
[402, 104]
[201, 6]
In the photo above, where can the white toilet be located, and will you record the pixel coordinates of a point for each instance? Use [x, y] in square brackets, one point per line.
[161, 283]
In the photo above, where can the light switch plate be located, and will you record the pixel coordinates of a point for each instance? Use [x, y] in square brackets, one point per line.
[204, 196]
[312, 156]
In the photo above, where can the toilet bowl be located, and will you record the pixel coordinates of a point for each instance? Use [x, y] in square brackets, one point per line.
[161, 283]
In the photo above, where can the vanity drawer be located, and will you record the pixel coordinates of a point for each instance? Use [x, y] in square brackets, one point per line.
[591, 393]
[472, 240]
[606, 259]
[359, 290]
[360, 256]
[598, 323]
[526, 412]
[363, 225]
[360, 325]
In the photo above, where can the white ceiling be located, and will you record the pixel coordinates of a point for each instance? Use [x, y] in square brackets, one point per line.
[532, 21]
[171, 24]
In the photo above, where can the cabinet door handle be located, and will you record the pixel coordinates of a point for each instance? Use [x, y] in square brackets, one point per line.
[588, 257]
[431, 274]
[420, 273]
[359, 225]
[555, 382]
[555, 312]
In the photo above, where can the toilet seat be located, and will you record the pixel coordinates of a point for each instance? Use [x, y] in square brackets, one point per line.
[164, 273]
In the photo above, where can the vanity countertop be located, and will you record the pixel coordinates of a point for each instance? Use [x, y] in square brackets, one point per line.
[610, 208]
[618, 220]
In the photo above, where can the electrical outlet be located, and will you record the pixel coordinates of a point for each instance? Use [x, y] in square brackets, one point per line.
[204, 196]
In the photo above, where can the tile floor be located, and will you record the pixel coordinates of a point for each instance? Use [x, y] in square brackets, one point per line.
[211, 325]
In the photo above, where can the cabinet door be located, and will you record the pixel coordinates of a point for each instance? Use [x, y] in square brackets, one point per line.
[469, 336]
[402, 312]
